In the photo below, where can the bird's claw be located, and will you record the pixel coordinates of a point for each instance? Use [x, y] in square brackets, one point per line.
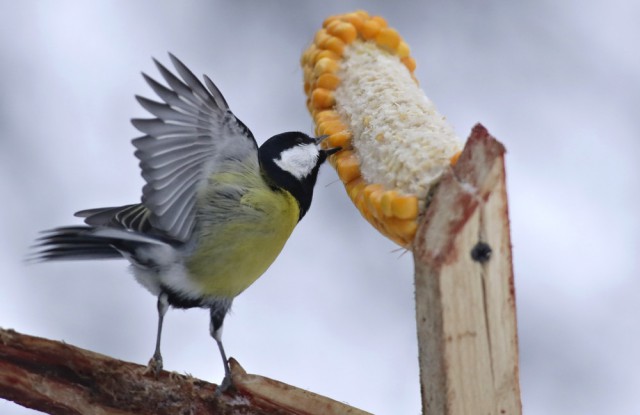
[154, 366]
[224, 385]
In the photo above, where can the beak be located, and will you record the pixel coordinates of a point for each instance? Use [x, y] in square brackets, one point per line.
[331, 151]
[326, 151]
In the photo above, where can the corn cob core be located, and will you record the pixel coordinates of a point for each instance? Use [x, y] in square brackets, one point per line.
[401, 140]
[362, 93]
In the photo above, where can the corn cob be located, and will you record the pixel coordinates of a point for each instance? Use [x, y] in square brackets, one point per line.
[362, 92]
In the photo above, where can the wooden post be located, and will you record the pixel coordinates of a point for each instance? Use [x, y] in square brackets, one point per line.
[465, 299]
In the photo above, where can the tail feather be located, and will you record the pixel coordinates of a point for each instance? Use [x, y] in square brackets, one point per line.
[74, 243]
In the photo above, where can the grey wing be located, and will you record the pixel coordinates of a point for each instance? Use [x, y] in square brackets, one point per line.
[193, 134]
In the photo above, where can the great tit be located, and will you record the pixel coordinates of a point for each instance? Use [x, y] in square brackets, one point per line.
[215, 211]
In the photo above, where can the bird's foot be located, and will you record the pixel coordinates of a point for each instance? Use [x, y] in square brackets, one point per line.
[224, 385]
[154, 366]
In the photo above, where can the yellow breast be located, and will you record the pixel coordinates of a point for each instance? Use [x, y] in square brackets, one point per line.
[239, 247]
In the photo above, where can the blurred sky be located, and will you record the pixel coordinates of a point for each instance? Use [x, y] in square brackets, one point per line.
[557, 82]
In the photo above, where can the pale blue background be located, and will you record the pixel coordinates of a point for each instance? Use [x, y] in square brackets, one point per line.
[557, 82]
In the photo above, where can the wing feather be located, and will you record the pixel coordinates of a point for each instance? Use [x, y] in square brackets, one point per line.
[174, 174]
[152, 145]
[193, 134]
[159, 128]
[196, 86]
[215, 92]
[167, 113]
[130, 217]
[179, 158]
[183, 90]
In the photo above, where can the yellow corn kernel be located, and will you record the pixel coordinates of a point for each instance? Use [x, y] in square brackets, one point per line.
[311, 60]
[325, 65]
[307, 72]
[307, 87]
[333, 44]
[328, 81]
[344, 31]
[375, 200]
[388, 38]
[402, 227]
[329, 54]
[372, 188]
[304, 59]
[320, 36]
[322, 98]
[403, 50]
[348, 168]
[385, 203]
[326, 115]
[354, 187]
[410, 63]
[355, 19]
[405, 207]
[329, 20]
[454, 159]
[346, 154]
[339, 139]
[360, 202]
[370, 29]
[332, 127]
[381, 20]
[319, 130]
[320, 124]
[327, 125]
[356, 191]
[363, 206]
[332, 24]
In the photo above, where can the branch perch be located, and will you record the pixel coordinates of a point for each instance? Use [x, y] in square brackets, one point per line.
[58, 378]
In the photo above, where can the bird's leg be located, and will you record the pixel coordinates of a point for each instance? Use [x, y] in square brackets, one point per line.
[155, 363]
[215, 328]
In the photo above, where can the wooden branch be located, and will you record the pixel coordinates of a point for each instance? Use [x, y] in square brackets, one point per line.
[465, 299]
[58, 378]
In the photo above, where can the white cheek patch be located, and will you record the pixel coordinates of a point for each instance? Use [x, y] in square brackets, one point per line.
[299, 160]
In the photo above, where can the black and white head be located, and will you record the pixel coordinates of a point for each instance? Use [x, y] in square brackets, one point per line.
[290, 161]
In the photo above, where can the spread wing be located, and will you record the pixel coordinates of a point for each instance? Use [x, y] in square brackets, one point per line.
[193, 134]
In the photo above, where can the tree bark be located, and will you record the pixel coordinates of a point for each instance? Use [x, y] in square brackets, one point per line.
[58, 378]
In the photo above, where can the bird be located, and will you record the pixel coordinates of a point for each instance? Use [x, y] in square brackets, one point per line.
[215, 212]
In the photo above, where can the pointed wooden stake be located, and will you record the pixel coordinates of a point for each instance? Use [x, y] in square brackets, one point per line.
[465, 299]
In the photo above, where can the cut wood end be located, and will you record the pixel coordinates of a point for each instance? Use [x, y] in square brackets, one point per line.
[457, 196]
[478, 155]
